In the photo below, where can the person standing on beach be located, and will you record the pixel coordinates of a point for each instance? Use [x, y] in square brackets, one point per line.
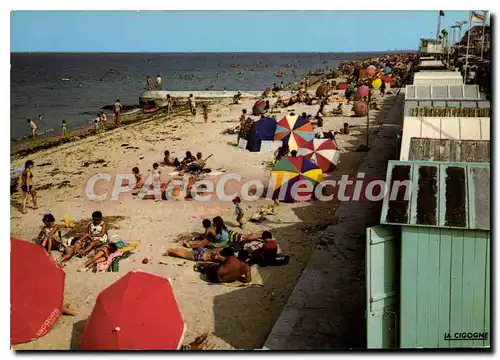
[27, 186]
[382, 88]
[206, 110]
[169, 104]
[64, 127]
[32, 126]
[158, 82]
[117, 109]
[148, 83]
[192, 104]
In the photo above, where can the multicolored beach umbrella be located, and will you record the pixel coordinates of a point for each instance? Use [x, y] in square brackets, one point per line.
[294, 131]
[290, 170]
[322, 152]
[258, 107]
[387, 70]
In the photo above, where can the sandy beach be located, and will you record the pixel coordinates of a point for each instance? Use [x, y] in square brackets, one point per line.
[238, 318]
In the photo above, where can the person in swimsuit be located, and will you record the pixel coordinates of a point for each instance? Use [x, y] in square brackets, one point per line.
[197, 254]
[32, 126]
[64, 128]
[49, 237]
[230, 269]
[148, 83]
[97, 232]
[27, 185]
[139, 183]
[117, 109]
[74, 248]
[169, 104]
[238, 211]
[101, 255]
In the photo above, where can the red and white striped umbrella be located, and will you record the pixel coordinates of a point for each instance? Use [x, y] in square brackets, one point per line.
[322, 152]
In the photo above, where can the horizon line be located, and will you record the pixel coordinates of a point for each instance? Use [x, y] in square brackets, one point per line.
[211, 52]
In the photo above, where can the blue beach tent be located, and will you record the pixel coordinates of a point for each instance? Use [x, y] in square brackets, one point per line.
[262, 129]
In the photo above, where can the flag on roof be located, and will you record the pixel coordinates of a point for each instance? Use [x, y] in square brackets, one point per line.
[477, 16]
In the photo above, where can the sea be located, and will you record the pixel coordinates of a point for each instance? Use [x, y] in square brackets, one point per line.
[74, 86]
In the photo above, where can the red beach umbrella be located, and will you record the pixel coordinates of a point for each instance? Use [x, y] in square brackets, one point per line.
[36, 291]
[363, 91]
[137, 312]
[386, 79]
[360, 108]
[258, 107]
[342, 86]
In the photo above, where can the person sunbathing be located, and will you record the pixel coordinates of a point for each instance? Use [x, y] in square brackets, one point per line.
[230, 269]
[74, 248]
[197, 254]
[97, 232]
[168, 160]
[101, 255]
[49, 238]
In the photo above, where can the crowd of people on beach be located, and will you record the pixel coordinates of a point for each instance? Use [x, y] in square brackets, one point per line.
[222, 254]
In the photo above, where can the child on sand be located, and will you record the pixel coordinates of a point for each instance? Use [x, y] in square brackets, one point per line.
[97, 232]
[49, 236]
[206, 112]
[139, 183]
[238, 211]
[64, 128]
[168, 160]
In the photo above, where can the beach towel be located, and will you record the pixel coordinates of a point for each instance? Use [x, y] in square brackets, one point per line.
[256, 280]
[104, 266]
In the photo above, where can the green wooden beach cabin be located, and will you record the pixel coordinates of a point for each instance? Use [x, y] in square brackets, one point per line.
[428, 263]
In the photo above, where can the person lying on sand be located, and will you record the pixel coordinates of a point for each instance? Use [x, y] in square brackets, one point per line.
[97, 232]
[230, 269]
[49, 237]
[101, 255]
[197, 254]
[75, 248]
[207, 239]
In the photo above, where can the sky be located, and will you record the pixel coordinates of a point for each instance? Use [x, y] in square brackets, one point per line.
[224, 31]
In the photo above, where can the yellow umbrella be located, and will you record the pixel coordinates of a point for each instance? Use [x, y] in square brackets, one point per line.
[377, 83]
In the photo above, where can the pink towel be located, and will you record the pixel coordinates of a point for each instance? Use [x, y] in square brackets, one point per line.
[103, 267]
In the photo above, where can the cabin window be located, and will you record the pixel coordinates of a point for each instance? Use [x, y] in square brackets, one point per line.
[427, 195]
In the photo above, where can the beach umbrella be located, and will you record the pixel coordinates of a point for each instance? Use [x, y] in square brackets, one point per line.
[294, 131]
[387, 70]
[290, 170]
[342, 86]
[361, 92]
[258, 107]
[323, 152]
[386, 78]
[322, 90]
[371, 72]
[372, 67]
[360, 108]
[137, 312]
[36, 291]
[377, 83]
